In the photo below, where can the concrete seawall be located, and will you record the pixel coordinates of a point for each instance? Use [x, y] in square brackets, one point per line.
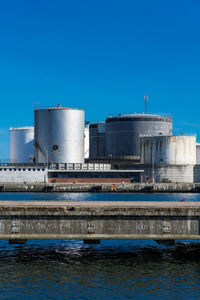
[101, 187]
[96, 220]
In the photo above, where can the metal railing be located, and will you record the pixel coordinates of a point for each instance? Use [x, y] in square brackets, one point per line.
[79, 166]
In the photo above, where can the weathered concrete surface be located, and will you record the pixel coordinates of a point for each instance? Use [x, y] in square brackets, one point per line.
[101, 187]
[22, 220]
[23, 174]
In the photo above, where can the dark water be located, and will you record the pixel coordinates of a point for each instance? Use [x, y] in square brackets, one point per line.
[111, 270]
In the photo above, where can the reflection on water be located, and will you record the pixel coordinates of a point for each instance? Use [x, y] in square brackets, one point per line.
[101, 196]
[113, 270]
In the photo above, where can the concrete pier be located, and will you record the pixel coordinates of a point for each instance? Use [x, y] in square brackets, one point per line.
[100, 187]
[23, 220]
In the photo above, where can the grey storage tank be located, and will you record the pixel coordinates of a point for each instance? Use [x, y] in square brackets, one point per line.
[97, 140]
[123, 132]
[198, 153]
[59, 135]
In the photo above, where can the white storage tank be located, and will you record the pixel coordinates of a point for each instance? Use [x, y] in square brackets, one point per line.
[59, 135]
[86, 142]
[176, 150]
[21, 144]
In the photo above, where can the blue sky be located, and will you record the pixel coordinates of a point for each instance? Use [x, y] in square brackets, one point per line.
[102, 56]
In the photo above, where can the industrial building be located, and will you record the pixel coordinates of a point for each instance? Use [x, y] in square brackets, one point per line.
[61, 146]
[23, 173]
[91, 173]
[123, 132]
[145, 142]
[124, 148]
[159, 173]
[119, 136]
[66, 173]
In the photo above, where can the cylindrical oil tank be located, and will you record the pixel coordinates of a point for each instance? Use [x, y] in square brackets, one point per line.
[123, 132]
[86, 142]
[59, 135]
[21, 144]
[97, 140]
[173, 150]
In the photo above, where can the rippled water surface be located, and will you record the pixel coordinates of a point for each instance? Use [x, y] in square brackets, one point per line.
[101, 196]
[111, 270]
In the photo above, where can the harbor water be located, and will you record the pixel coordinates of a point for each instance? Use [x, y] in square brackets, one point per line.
[111, 270]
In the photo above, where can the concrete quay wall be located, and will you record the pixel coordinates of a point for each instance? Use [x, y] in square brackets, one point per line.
[101, 187]
[95, 220]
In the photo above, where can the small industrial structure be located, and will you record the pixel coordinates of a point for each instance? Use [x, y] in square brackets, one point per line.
[198, 153]
[91, 173]
[21, 144]
[23, 173]
[86, 142]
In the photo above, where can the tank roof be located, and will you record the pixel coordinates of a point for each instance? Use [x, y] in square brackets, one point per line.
[138, 117]
[21, 128]
[58, 108]
[94, 125]
[163, 136]
[135, 115]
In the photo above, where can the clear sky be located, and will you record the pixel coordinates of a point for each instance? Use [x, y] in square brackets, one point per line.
[102, 56]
